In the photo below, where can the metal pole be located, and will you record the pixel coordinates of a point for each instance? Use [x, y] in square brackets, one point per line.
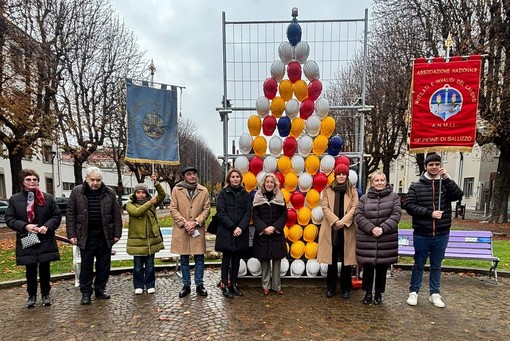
[363, 103]
[224, 113]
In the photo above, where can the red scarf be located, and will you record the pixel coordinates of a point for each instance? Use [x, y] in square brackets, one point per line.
[38, 199]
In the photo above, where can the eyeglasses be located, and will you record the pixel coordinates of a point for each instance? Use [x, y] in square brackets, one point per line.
[31, 179]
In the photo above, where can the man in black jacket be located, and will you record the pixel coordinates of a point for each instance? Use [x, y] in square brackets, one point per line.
[94, 223]
[429, 202]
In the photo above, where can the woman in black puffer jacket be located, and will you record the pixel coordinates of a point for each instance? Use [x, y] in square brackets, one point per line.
[233, 209]
[377, 216]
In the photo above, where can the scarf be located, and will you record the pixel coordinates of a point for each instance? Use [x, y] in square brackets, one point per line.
[373, 193]
[190, 187]
[261, 199]
[33, 197]
[338, 208]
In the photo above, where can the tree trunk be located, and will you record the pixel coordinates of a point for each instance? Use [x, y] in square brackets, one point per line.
[78, 177]
[15, 159]
[499, 212]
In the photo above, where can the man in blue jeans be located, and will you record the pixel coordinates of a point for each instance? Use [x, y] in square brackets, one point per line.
[429, 202]
[190, 207]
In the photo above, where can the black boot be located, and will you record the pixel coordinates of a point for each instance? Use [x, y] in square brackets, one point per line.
[227, 293]
[235, 290]
[31, 301]
[185, 291]
[201, 290]
[46, 300]
[368, 298]
[85, 299]
[378, 298]
[102, 294]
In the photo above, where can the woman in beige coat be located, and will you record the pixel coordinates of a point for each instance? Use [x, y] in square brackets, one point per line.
[337, 236]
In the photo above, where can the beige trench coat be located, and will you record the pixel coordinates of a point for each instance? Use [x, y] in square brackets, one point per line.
[182, 209]
[324, 254]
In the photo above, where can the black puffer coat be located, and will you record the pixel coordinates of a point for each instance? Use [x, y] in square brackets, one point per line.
[423, 198]
[269, 213]
[48, 215]
[233, 209]
[378, 209]
[77, 215]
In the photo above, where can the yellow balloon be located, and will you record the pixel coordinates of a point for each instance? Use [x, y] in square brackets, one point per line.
[312, 164]
[311, 250]
[295, 233]
[331, 178]
[291, 181]
[320, 144]
[304, 215]
[254, 125]
[286, 195]
[259, 146]
[310, 233]
[297, 126]
[250, 181]
[312, 198]
[286, 89]
[286, 231]
[284, 164]
[277, 107]
[327, 126]
[301, 90]
[297, 249]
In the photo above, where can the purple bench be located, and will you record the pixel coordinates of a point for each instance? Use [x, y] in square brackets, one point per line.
[475, 245]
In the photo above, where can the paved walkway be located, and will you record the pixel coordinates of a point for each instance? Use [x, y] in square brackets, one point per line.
[475, 310]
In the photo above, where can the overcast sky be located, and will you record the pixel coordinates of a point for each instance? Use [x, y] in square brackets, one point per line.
[184, 38]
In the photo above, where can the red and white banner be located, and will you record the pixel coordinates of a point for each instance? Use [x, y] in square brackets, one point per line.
[444, 104]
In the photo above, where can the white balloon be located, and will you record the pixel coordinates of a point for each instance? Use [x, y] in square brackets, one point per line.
[284, 266]
[275, 146]
[297, 268]
[286, 52]
[298, 164]
[292, 108]
[254, 266]
[311, 70]
[270, 164]
[321, 107]
[242, 268]
[324, 269]
[312, 268]
[242, 163]
[277, 70]
[317, 214]
[260, 177]
[305, 182]
[245, 141]
[313, 125]
[353, 177]
[305, 144]
[327, 164]
[302, 50]
[262, 106]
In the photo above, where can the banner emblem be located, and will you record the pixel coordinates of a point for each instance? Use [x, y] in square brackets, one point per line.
[446, 102]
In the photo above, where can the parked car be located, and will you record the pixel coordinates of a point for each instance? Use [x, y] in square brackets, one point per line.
[3, 208]
[62, 204]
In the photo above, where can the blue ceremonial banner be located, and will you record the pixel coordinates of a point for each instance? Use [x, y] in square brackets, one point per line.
[152, 125]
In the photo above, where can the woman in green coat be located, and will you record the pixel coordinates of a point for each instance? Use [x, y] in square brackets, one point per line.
[144, 236]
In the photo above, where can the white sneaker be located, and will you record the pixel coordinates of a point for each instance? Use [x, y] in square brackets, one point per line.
[436, 300]
[138, 291]
[413, 298]
[151, 290]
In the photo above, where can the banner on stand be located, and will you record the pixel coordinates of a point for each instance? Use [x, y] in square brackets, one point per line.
[444, 104]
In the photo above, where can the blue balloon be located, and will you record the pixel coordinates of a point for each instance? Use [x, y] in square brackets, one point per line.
[284, 125]
[360, 193]
[335, 145]
[294, 33]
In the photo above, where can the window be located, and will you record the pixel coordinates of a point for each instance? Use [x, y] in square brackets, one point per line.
[468, 186]
[48, 154]
[68, 186]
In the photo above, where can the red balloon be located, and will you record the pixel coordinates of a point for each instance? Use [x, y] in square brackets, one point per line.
[294, 71]
[268, 125]
[281, 178]
[342, 160]
[314, 89]
[270, 88]
[291, 217]
[256, 165]
[307, 107]
[320, 181]
[289, 146]
[297, 200]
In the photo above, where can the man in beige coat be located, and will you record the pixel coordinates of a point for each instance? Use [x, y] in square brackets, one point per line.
[190, 207]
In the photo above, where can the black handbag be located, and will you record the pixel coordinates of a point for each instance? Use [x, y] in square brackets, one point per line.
[213, 225]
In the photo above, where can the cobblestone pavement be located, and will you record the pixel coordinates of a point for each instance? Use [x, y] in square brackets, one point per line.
[475, 310]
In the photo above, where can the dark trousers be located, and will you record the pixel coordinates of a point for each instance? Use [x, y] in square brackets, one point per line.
[380, 277]
[345, 270]
[230, 261]
[44, 277]
[96, 247]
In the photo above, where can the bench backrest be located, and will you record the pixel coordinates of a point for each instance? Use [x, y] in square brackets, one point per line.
[462, 244]
[120, 246]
